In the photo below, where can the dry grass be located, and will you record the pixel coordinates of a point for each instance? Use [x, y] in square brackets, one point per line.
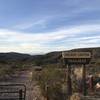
[76, 96]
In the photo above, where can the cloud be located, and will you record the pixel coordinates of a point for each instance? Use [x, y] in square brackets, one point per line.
[27, 25]
[74, 37]
[48, 21]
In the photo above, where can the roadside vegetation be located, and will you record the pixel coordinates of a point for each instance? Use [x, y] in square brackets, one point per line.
[51, 82]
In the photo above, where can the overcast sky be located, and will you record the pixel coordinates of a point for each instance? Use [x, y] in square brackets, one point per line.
[40, 26]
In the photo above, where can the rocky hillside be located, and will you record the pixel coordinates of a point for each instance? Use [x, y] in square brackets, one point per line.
[50, 58]
[55, 57]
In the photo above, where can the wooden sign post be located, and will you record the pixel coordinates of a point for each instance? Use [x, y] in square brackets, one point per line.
[84, 80]
[75, 58]
[69, 87]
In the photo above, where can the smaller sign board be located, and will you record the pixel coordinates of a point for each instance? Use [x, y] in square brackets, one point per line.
[76, 55]
[77, 61]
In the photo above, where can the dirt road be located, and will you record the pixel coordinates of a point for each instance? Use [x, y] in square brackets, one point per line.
[25, 77]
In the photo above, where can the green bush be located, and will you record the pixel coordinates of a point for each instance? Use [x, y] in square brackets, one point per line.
[51, 81]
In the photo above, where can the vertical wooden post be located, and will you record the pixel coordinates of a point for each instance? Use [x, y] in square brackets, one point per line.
[46, 89]
[84, 80]
[69, 85]
[91, 84]
[47, 93]
[20, 94]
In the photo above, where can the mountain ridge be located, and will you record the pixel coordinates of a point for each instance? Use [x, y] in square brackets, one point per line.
[51, 57]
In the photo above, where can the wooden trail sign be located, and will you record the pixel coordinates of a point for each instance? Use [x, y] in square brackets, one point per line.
[71, 58]
[76, 57]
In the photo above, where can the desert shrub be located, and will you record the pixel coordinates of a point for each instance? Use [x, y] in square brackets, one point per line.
[50, 81]
[5, 71]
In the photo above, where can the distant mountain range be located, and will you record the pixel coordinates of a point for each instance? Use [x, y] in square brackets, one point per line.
[52, 57]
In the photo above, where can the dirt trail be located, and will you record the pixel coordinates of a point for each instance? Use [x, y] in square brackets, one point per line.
[25, 77]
